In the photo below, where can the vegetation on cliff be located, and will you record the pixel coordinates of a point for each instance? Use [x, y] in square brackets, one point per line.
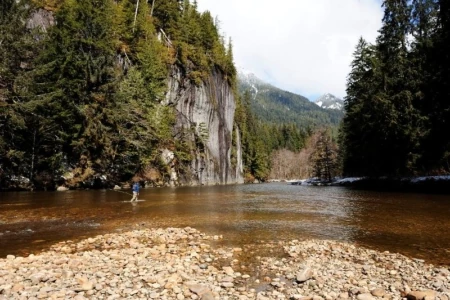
[83, 98]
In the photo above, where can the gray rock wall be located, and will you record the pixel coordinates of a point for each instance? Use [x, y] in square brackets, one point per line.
[209, 106]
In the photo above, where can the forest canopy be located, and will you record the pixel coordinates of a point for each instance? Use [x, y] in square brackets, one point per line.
[82, 85]
[397, 118]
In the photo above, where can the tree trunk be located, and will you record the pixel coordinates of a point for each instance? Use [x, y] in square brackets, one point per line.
[135, 14]
[153, 5]
[33, 155]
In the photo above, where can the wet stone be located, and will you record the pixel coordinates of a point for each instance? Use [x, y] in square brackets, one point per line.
[170, 264]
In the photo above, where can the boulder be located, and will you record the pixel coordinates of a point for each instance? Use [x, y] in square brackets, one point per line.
[61, 188]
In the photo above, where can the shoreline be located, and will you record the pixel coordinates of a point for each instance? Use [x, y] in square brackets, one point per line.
[183, 263]
[424, 184]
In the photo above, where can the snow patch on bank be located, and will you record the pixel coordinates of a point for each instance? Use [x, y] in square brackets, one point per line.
[350, 180]
[425, 178]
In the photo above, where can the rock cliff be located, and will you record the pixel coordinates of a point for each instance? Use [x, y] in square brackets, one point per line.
[205, 113]
[204, 120]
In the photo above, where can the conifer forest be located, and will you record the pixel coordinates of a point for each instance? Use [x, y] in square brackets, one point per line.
[397, 120]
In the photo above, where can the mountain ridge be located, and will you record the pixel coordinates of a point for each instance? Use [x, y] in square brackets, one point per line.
[275, 105]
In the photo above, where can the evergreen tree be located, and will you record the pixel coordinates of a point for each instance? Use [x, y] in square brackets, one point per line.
[359, 123]
[73, 80]
[17, 49]
[230, 69]
[423, 68]
[210, 35]
[255, 152]
[151, 56]
[399, 141]
[167, 14]
[324, 158]
[437, 143]
[380, 100]
[397, 95]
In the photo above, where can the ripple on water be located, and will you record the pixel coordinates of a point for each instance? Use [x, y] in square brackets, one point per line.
[413, 224]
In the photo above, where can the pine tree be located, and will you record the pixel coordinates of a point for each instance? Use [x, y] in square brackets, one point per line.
[150, 55]
[400, 120]
[445, 83]
[397, 96]
[359, 123]
[74, 78]
[423, 67]
[17, 49]
[230, 69]
[167, 14]
[437, 143]
[324, 158]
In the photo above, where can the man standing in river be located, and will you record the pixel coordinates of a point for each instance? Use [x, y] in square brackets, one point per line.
[135, 191]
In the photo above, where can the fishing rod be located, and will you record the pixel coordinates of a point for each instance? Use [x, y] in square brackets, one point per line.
[122, 192]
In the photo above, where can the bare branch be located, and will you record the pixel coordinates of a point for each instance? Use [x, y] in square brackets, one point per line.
[153, 5]
[167, 38]
[135, 14]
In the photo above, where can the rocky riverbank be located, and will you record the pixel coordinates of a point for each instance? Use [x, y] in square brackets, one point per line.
[186, 264]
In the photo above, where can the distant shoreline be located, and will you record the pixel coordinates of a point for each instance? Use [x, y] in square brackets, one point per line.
[423, 184]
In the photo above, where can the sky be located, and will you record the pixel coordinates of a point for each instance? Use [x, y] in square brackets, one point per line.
[302, 46]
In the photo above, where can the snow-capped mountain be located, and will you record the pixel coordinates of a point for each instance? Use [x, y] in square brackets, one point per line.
[278, 106]
[329, 101]
[250, 81]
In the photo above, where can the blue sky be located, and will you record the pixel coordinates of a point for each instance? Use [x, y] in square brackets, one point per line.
[303, 46]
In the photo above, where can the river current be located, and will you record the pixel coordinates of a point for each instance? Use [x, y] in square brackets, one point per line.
[416, 225]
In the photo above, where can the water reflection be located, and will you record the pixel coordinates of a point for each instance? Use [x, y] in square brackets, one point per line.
[416, 225]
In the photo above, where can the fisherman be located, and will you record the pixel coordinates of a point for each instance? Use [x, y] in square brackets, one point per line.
[135, 191]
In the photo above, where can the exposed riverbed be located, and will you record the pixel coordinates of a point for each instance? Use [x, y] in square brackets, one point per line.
[184, 263]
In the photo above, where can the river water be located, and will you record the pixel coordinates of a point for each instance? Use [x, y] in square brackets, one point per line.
[417, 225]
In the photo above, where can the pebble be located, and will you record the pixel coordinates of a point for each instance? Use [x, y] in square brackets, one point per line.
[179, 263]
[378, 292]
[304, 275]
[365, 296]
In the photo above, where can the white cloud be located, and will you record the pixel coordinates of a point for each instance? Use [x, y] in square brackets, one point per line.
[304, 46]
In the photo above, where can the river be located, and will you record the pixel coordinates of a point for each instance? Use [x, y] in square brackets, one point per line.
[416, 225]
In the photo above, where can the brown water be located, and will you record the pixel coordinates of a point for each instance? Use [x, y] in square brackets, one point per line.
[417, 225]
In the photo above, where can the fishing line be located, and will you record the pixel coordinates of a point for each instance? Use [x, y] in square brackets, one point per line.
[122, 192]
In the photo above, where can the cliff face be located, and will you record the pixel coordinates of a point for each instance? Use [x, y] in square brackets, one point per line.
[204, 121]
[205, 114]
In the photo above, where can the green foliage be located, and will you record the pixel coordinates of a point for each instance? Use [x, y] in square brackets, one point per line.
[85, 95]
[73, 80]
[324, 158]
[260, 139]
[84, 98]
[281, 107]
[395, 108]
[195, 36]
[17, 49]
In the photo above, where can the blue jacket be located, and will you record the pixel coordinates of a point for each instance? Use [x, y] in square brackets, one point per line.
[136, 187]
